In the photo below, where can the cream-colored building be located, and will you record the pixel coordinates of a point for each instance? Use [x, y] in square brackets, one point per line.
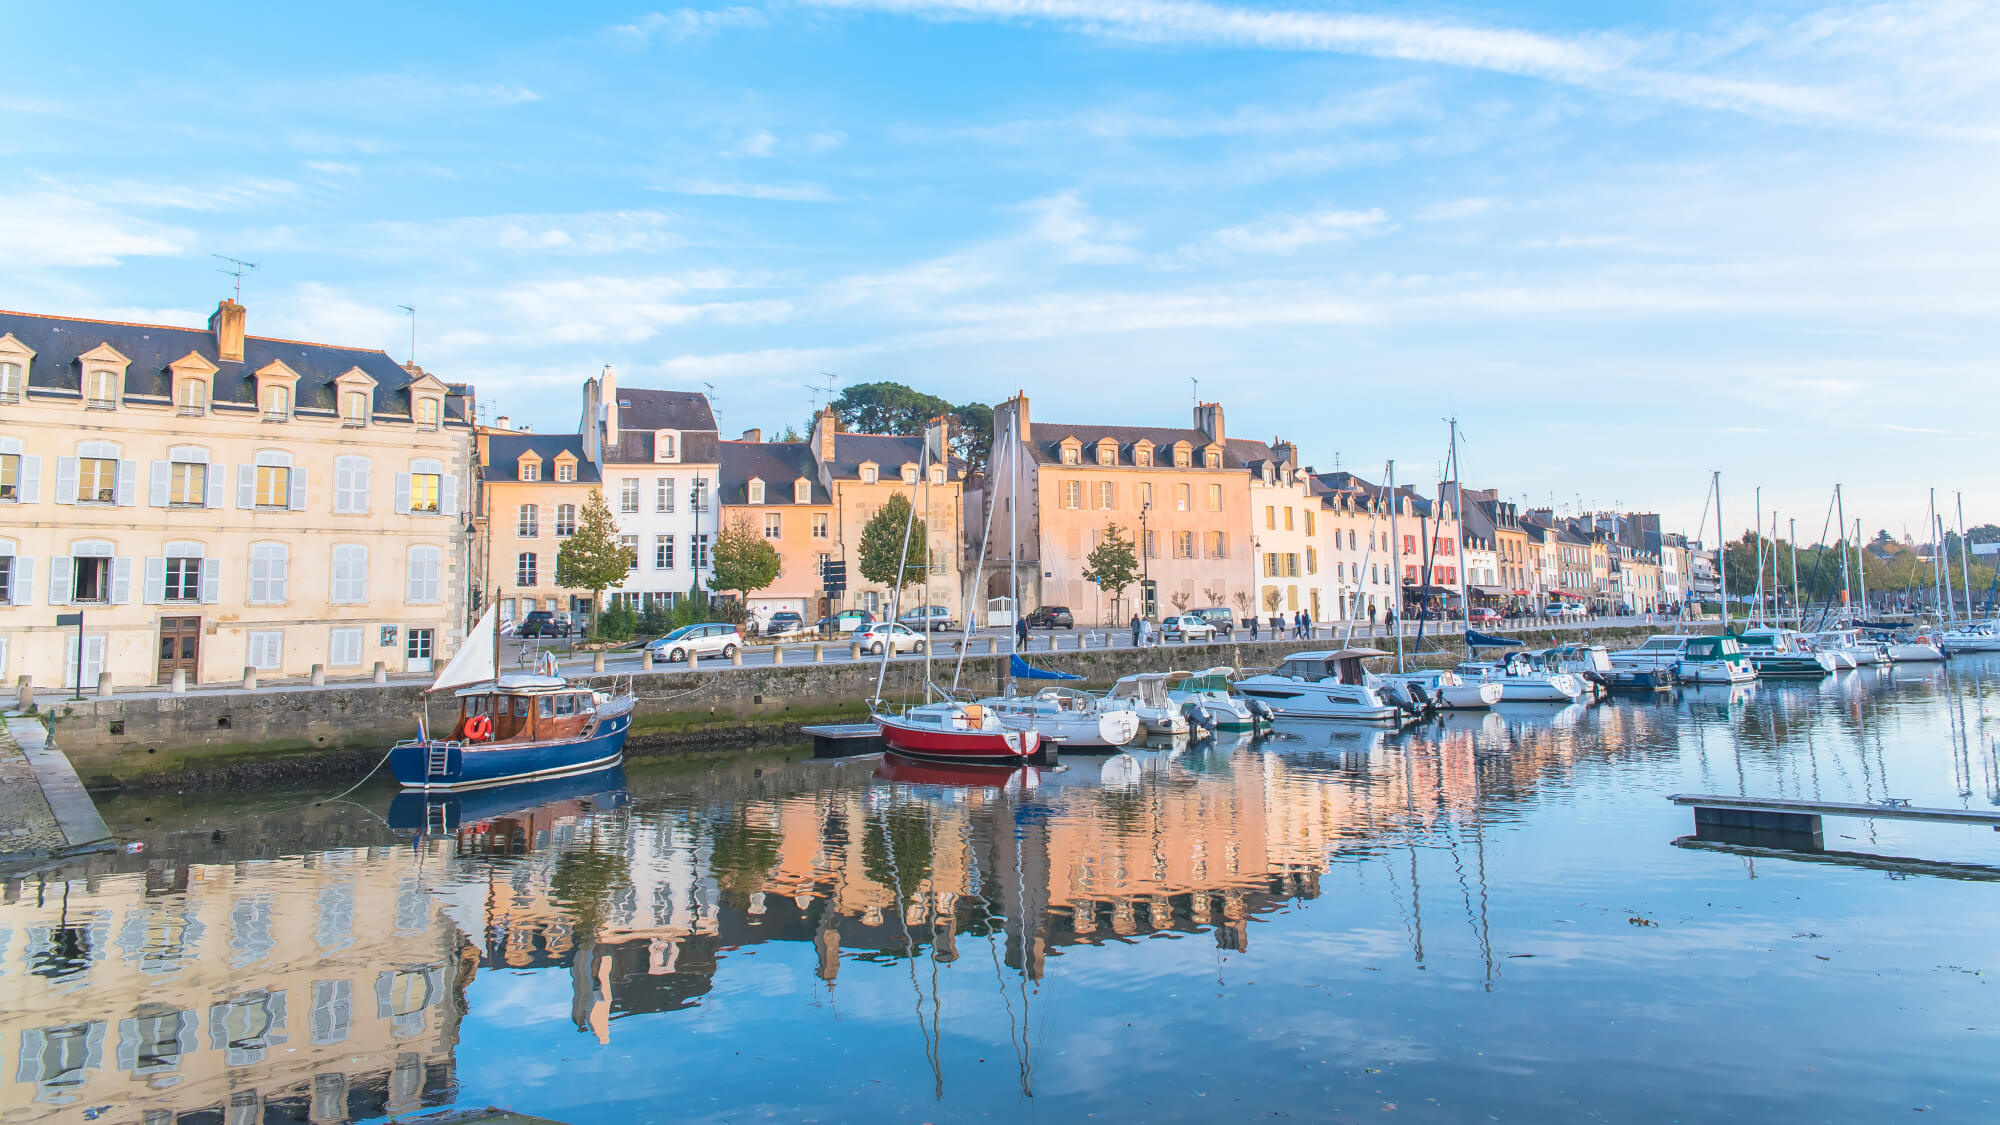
[210, 500]
[533, 488]
[1291, 574]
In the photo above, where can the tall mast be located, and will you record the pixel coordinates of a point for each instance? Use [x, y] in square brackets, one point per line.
[1846, 578]
[1758, 492]
[1721, 550]
[1015, 440]
[1458, 510]
[1395, 567]
[1795, 572]
[1937, 547]
[1964, 556]
[1860, 569]
[1944, 561]
[924, 467]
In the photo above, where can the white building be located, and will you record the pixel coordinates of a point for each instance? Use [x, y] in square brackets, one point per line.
[657, 452]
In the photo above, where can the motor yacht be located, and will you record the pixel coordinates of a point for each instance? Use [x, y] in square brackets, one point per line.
[1206, 697]
[1523, 680]
[1077, 719]
[1694, 659]
[1452, 691]
[1145, 695]
[1323, 685]
[1777, 654]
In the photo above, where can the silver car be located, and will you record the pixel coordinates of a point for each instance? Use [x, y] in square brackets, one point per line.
[886, 635]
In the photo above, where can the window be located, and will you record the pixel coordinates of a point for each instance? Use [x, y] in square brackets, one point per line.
[427, 414]
[565, 520]
[1312, 560]
[566, 473]
[1072, 494]
[10, 382]
[868, 474]
[101, 391]
[663, 552]
[8, 577]
[1214, 497]
[10, 477]
[631, 545]
[268, 564]
[1288, 514]
[700, 494]
[628, 494]
[528, 521]
[96, 480]
[663, 494]
[267, 654]
[1310, 530]
[530, 470]
[350, 485]
[802, 491]
[354, 408]
[754, 492]
[1183, 497]
[1212, 459]
[1070, 455]
[909, 474]
[772, 528]
[1106, 495]
[1107, 455]
[1180, 456]
[90, 580]
[1184, 544]
[424, 489]
[1143, 457]
[426, 577]
[698, 551]
[1218, 545]
[1149, 544]
[1291, 564]
[1271, 564]
[274, 486]
[190, 397]
[187, 484]
[350, 574]
[277, 402]
[665, 447]
[524, 569]
[1270, 518]
[819, 525]
[1144, 493]
[183, 579]
[1354, 538]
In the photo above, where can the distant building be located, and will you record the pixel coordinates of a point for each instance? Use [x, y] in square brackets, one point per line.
[657, 454]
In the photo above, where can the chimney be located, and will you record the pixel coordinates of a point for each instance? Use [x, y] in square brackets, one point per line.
[824, 427]
[1208, 419]
[753, 435]
[1286, 451]
[500, 423]
[227, 324]
[609, 383]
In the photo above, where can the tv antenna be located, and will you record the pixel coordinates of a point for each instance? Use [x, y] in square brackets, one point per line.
[411, 309]
[237, 268]
[822, 396]
[717, 411]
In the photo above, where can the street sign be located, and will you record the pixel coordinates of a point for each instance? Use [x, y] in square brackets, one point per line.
[70, 619]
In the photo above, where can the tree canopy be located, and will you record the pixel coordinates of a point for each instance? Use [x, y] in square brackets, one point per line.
[883, 545]
[744, 561]
[892, 408]
[593, 558]
[1112, 565]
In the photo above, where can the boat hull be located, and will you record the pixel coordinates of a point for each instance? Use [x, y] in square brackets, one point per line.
[1716, 672]
[477, 765]
[1792, 667]
[934, 744]
[1915, 654]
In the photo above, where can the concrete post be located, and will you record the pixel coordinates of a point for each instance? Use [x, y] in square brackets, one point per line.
[24, 694]
[597, 662]
[250, 678]
[777, 654]
[645, 660]
[180, 682]
[819, 654]
[735, 659]
[104, 685]
[694, 660]
[319, 675]
[854, 650]
[381, 673]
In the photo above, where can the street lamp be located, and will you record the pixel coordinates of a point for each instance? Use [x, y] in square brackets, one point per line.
[1145, 568]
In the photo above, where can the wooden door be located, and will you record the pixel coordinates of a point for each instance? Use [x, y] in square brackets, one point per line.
[180, 646]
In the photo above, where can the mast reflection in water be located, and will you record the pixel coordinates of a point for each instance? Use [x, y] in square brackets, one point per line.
[1482, 916]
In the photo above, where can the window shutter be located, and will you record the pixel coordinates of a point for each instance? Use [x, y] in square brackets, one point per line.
[156, 580]
[93, 659]
[447, 495]
[69, 661]
[23, 592]
[298, 497]
[362, 470]
[402, 492]
[211, 580]
[59, 578]
[156, 490]
[65, 480]
[31, 480]
[343, 484]
[121, 581]
[217, 477]
[280, 565]
[128, 483]
[246, 486]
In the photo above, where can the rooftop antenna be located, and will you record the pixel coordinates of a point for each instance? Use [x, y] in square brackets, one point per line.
[1196, 384]
[411, 309]
[237, 268]
[822, 396]
[711, 401]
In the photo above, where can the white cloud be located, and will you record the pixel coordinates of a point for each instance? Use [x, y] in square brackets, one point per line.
[57, 229]
[1457, 209]
[229, 195]
[334, 167]
[826, 141]
[759, 143]
[1285, 235]
[582, 233]
[1064, 222]
[790, 193]
[687, 23]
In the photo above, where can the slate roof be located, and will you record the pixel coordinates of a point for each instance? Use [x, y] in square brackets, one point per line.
[777, 463]
[889, 452]
[503, 456]
[57, 341]
[1045, 442]
[641, 411]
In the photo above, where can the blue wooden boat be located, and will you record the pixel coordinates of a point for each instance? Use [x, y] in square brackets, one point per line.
[511, 728]
[441, 814]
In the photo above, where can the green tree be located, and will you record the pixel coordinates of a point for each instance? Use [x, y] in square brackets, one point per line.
[883, 548]
[972, 435]
[892, 408]
[743, 561]
[1111, 566]
[593, 558]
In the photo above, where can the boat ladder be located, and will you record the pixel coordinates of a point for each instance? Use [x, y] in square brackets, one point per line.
[436, 819]
[438, 762]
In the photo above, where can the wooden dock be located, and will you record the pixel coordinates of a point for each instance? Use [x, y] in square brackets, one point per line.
[845, 740]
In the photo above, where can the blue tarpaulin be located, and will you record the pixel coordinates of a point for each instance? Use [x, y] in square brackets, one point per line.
[1476, 639]
[1022, 670]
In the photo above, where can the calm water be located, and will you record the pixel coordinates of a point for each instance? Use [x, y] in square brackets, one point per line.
[1487, 919]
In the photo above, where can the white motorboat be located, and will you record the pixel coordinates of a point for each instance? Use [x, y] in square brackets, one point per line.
[1979, 636]
[1848, 645]
[1913, 648]
[1080, 720]
[1696, 659]
[1145, 695]
[1208, 694]
[1522, 682]
[1451, 690]
[1779, 654]
[1322, 685]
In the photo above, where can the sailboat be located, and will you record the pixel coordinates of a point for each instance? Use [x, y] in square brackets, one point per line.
[516, 727]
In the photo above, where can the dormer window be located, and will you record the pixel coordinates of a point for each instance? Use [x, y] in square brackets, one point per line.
[100, 390]
[909, 474]
[565, 472]
[191, 397]
[1107, 453]
[868, 473]
[666, 446]
[354, 408]
[1267, 473]
[756, 491]
[1142, 456]
[1212, 459]
[937, 474]
[427, 414]
[277, 400]
[531, 469]
[1182, 455]
[10, 382]
[802, 491]
[1072, 455]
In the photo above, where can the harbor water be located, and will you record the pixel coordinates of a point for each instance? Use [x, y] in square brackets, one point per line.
[1490, 917]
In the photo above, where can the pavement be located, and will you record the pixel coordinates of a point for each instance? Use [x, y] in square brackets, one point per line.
[44, 811]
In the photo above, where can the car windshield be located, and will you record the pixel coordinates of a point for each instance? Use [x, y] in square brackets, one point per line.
[682, 633]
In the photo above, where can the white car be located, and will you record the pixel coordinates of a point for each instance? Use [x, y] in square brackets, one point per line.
[716, 639]
[1187, 627]
[884, 635]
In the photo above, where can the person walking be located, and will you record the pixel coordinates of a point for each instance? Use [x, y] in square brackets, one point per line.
[1252, 622]
[1020, 632]
[1135, 630]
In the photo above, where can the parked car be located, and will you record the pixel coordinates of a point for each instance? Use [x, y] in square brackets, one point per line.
[711, 639]
[1485, 615]
[543, 623]
[882, 635]
[1187, 627]
[1050, 617]
[783, 622]
[928, 619]
[1220, 617]
[844, 622]
[1569, 610]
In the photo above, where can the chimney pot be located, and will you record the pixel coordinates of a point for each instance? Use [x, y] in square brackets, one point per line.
[753, 434]
[500, 423]
[227, 324]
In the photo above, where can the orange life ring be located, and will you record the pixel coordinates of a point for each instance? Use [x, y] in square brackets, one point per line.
[478, 728]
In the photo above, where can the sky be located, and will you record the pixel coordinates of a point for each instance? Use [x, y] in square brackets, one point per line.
[1624, 245]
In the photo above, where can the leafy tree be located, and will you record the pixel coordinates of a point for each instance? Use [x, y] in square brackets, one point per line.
[972, 435]
[1111, 566]
[892, 408]
[742, 856]
[593, 558]
[883, 545]
[791, 434]
[743, 561]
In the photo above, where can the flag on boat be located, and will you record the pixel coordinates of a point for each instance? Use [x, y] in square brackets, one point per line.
[1022, 670]
[1476, 639]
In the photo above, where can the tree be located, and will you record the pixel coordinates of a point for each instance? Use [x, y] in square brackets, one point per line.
[884, 548]
[593, 558]
[892, 408]
[972, 435]
[743, 560]
[1111, 566]
[1180, 599]
[791, 434]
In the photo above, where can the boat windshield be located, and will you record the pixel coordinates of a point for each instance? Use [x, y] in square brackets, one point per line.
[1729, 646]
[1305, 669]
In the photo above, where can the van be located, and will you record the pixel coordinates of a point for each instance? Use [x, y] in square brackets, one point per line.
[1219, 617]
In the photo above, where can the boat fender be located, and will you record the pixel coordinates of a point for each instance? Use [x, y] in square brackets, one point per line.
[478, 728]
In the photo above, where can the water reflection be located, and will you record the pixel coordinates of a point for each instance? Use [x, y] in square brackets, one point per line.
[946, 915]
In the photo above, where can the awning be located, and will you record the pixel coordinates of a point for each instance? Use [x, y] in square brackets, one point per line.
[1523, 594]
[1489, 591]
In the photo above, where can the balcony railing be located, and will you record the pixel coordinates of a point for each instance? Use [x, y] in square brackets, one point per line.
[191, 410]
[352, 423]
[99, 404]
[276, 416]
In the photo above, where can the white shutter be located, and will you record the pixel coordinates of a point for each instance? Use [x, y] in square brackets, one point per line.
[447, 495]
[93, 659]
[280, 565]
[121, 581]
[59, 578]
[402, 493]
[24, 580]
[69, 661]
[217, 477]
[298, 497]
[346, 648]
[211, 580]
[156, 491]
[31, 479]
[65, 480]
[156, 580]
[246, 486]
[128, 483]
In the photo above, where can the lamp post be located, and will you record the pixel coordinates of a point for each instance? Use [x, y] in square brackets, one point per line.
[1145, 568]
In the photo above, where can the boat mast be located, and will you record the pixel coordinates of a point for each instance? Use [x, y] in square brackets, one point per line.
[924, 467]
[1944, 560]
[1846, 576]
[1458, 511]
[1758, 492]
[1860, 569]
[1795, 573]
[1931, 530]
[1395, 567]
[1721, 550]
[1964, 556]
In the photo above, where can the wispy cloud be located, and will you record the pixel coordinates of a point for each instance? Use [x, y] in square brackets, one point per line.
[57, 229]
[788, 193]
[1064, 222]
[1457, 209]
[580, 234]
[1285, 235]
[687, 23]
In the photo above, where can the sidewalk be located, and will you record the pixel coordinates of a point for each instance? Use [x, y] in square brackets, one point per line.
[44, 811]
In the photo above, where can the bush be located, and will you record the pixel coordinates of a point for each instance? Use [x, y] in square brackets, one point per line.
[617, 623]
[656, 621]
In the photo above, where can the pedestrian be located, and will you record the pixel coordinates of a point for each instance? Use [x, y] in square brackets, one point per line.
[1146, 633]
[1252, 622]
[1299, 624]
[1371, 617]
[1389, 618]
[1135, 630]
[1020, 632]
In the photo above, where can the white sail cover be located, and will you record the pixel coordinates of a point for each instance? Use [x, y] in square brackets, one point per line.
[475, 661]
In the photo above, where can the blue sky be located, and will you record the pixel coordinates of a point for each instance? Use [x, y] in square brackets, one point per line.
[1624, 246]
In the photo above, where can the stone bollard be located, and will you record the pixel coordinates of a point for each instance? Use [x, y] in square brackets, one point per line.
[819, 654]
[597, 662]
[735, 658]
[381, 675]
[693, 660]
[319, 675]
[645, 660]
[180, 682]
[104, 685]
[250, 678]
[777, 654]
[854, 650]
[24, 695]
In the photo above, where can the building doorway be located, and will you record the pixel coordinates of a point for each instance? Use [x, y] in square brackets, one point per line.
[1149, 599]
[180, 648]
[417, 650]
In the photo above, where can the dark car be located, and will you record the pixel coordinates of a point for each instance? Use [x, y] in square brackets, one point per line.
[1051, 617]
[542, 623]
[782, 622]
[1220, 617]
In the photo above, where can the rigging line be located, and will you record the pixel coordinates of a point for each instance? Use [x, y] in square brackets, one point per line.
[896, 596]
[1027, 1063]
[1819, 563]
[978, 573]
[910, 945]
[1374, 517]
